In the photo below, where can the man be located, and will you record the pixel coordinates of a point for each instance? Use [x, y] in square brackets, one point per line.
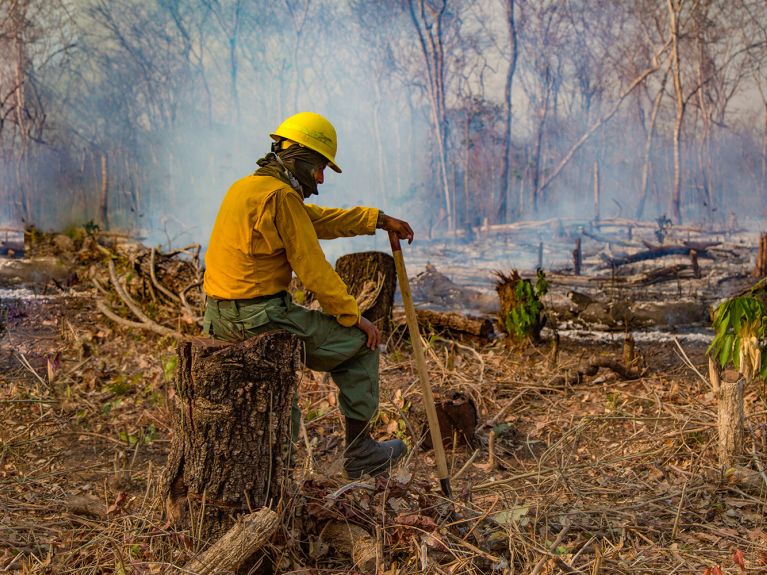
[263, 233]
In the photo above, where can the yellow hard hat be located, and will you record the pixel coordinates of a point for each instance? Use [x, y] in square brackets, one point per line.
[313, 131]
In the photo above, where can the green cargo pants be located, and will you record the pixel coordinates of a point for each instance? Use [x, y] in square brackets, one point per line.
[328, 345]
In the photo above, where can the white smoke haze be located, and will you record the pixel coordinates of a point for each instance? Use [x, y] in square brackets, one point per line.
[146, 111]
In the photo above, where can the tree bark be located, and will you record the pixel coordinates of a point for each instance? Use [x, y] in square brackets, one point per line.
[457, 322]
[227, 454]
[731, 417]
[363, 273]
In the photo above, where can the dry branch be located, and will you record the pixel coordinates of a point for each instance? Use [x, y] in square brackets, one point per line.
[650, 254]
[145, 323]
[248, 535]
[593, 367]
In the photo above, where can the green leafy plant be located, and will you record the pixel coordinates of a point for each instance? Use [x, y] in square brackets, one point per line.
[524, 317]
[741, 329]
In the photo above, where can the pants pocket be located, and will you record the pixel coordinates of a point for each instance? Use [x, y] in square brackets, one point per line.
[253, 320]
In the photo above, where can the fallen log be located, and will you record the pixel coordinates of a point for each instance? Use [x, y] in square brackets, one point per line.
[238, 544]
[651, 254]
[482, 327]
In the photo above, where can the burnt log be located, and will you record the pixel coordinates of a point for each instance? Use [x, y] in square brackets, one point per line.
[371, 279]
[457, 323]
[229, 450]
[654, 253]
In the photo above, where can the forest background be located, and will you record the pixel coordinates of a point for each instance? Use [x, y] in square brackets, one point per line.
[138, 114]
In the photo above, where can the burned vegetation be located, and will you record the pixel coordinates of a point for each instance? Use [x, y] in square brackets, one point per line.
[592, 446]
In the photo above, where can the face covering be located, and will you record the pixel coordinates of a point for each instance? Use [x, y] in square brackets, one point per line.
[294, 165]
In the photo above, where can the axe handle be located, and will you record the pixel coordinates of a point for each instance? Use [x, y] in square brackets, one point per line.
[420, 363]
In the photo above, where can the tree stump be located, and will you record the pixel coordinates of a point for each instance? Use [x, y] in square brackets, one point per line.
[731, 419]
[521, 310]
[372, 280]
[227, 456]
[457, 416]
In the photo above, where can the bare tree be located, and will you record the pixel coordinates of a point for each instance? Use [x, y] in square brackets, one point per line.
[506, 183]
[429, 19]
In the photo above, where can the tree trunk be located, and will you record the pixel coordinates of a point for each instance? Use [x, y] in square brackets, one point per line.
[227, 454]
[731, 419]
[675, 8]
[104, 193]
[506, 179]
[645, 187]
[428, 19]
[371, 279]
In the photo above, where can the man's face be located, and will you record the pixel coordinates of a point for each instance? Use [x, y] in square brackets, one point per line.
[319, 174]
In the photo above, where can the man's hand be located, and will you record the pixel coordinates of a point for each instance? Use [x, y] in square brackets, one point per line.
[370, 330]
[400, 227]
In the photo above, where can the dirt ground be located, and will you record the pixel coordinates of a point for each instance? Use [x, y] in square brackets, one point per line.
[602, 475]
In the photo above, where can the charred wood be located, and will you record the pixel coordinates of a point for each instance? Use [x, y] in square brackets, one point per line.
[651, 254]
[455, 322]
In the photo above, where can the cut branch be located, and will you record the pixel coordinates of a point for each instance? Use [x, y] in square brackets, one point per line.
[226, 555]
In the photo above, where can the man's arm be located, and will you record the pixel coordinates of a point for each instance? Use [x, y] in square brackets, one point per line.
[331, 223]
[307, 259]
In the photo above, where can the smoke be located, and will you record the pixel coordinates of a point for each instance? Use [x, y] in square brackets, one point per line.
[156, 91]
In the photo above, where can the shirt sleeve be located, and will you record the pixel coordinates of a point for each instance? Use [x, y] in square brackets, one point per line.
[331, 223]
[307, 259]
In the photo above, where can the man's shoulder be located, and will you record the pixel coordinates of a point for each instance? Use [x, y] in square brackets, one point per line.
[261, 185]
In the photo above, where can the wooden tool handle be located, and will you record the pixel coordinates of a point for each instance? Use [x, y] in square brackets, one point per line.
[420, 362]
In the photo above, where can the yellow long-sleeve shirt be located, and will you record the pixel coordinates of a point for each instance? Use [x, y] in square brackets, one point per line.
[264, 232]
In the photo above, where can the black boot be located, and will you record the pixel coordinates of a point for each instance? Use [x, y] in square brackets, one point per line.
[365, 455]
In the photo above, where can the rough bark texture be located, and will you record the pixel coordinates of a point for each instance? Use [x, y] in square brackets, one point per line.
[248, 534]
[227, 455]
[730, 419]
[363, 273]
[456, 322]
